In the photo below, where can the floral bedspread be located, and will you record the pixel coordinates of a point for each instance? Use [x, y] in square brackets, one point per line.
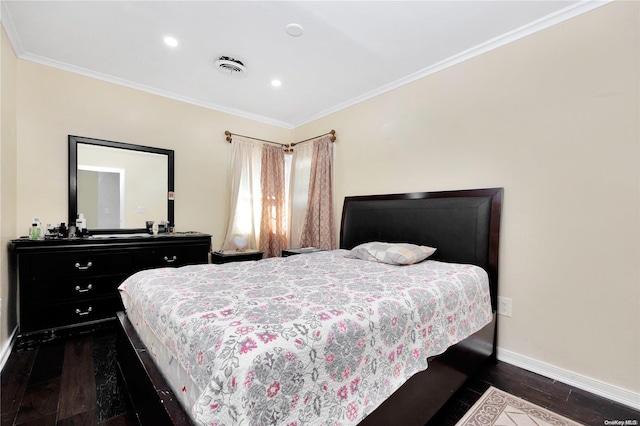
[310, 339]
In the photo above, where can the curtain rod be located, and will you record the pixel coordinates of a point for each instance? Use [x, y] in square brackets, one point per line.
[332, 133]
[287, 146]
[229, 134]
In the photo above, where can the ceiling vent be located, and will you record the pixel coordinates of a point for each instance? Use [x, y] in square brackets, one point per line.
[230, 66]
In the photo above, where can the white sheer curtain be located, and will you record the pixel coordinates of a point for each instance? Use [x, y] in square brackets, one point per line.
[309, 213]
[245, 207]
[299, 191]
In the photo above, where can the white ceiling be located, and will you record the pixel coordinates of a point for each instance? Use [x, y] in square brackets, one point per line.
[350, 50]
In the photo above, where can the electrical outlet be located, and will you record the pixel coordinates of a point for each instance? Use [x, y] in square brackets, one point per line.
[504, 306]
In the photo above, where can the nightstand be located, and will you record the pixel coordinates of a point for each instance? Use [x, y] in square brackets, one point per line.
[235, 256]
[303, 250]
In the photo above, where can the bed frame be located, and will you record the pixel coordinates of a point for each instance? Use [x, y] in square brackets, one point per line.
[464, 226]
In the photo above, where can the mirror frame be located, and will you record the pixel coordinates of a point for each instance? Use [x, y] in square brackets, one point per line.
[73, 178]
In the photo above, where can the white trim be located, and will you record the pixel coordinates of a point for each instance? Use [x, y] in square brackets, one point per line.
[144, 88]
[532, 27]
[614, 393]
[6, 350]
[15, 41]
[10, 29]
[569, 12]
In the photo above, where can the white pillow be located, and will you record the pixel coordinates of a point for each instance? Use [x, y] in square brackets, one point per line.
[391, 253]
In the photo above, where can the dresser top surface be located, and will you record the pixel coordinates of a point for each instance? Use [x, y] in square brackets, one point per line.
[109, 239]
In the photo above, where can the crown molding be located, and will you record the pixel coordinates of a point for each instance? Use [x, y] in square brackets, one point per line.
[148, 89]
[10, 29]
[531, 28]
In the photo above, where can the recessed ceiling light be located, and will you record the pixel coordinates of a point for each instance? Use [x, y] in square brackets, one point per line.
[295, 30]
[170, 41]
[276, 83]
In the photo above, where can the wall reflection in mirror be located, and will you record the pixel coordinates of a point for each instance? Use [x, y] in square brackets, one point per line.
[119, 186]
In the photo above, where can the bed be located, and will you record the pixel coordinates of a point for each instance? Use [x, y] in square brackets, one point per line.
[322, 338]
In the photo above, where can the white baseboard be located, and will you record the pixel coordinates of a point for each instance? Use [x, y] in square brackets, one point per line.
[6, 350]
[614, 393]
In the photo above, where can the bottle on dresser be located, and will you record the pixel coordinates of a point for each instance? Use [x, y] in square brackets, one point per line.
[81, 225]
[34, 232]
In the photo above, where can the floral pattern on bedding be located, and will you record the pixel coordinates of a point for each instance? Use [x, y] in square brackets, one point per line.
[310, 339]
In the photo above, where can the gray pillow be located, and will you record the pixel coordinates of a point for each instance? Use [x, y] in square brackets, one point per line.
[391, 253]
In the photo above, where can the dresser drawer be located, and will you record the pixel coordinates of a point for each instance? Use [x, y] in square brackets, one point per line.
[69, 282]
[51, 315]
[74, 288]
[171, 256]
[80, 264]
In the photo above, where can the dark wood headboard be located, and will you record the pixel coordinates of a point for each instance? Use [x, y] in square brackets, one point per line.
[463, 225]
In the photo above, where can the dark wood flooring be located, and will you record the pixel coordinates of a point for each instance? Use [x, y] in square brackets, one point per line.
[573, 403]
[68, 380]
[73, 380]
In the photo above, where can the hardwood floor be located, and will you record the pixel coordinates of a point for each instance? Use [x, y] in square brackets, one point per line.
[573, 403]
[73, 380]
[66, 381]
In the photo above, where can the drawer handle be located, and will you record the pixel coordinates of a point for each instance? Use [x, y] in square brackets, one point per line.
[80, 313]
[83, 290]
[83, 268]
[173, 259]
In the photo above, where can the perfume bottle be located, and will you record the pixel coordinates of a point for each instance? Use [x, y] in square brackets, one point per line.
[81, 225]
[34, 233]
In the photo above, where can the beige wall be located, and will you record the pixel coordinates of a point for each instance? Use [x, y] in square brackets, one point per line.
[8, 64]
[53, 104]
[553, 118]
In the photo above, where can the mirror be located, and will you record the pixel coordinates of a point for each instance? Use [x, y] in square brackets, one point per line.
[119, 186]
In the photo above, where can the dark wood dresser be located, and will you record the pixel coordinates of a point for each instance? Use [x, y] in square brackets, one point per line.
[67, 282]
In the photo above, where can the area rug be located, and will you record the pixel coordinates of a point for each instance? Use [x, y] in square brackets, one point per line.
[498, 408]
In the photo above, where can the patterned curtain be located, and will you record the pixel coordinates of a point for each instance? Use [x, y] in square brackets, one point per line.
[318, 227]
[273, 238]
